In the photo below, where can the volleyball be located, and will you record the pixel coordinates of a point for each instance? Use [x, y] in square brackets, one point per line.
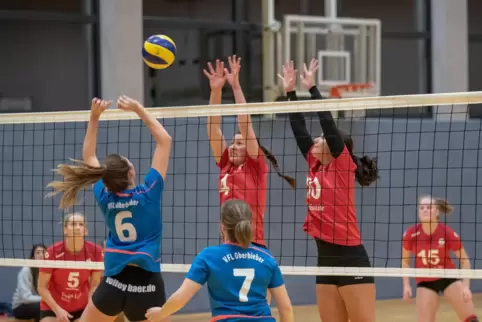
[159, 51]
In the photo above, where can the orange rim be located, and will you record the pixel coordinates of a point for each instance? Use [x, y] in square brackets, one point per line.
[337, 91]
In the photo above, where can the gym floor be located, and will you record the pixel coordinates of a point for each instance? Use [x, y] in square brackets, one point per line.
[387, 310]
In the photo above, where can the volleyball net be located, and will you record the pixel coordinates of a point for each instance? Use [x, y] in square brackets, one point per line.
[433, 150]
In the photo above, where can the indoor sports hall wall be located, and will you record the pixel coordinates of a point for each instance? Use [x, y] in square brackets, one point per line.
[415, 158]
[54, 82]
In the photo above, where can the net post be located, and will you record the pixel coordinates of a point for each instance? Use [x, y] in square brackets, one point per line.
[286, 38]
[331, 8]
[334, 42]
[300, 54]
[378, 54]
[268, 35]
[450, 54]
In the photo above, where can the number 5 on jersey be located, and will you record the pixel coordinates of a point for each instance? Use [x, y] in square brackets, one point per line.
[73, 280]
[125, 231]
[248, 274]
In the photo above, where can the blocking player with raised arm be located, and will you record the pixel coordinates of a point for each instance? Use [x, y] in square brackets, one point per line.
[244, 172]
[238, 275]
[132, 281]
[331, 219]
[66, 292]
[431, 242]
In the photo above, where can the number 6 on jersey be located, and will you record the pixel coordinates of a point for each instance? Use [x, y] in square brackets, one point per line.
[248, 274]
[125, 231]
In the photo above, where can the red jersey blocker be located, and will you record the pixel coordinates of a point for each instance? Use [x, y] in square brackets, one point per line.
[432, 251]
[70, 287]
[247, 182]
[331, 218]
[331, 200]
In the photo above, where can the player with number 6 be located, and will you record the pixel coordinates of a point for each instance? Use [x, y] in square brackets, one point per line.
[65, 292]
[132, 281]
[238, 275]
[431, 242]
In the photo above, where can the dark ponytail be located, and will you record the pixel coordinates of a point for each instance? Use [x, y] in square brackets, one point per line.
[366, 168]
[274, 163]
[367, 171]
[34, 271]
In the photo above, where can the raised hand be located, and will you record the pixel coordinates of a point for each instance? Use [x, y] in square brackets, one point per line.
[216, 76]
[99, 106]
[308, 76]
[232, 75]
[128, 104]
[288, 77]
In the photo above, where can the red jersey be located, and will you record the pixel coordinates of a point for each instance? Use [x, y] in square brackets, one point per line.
[70, 287]
[246, 182]
[331, 200]
[431, 251]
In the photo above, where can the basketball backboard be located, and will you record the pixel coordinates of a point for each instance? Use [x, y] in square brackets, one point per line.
[348, 50]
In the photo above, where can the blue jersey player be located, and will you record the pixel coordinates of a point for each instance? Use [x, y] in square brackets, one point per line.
[237, 273]
[132, 281]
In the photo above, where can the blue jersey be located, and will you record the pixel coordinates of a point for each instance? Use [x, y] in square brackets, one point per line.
[238, 279]
[133, 218]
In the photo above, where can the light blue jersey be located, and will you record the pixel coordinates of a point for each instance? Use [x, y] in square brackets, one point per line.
[238, 279]
[133, 218]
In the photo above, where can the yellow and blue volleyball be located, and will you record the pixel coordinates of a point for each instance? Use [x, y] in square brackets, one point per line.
[159, 51]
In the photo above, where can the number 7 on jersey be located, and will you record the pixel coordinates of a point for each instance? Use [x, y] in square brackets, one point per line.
[248, 274]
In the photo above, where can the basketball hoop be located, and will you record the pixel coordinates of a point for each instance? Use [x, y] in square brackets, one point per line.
[352, 90]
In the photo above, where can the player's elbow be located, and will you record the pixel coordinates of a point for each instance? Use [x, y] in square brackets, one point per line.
[163, 138]
[42, 290]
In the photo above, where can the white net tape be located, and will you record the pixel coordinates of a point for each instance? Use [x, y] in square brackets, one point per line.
[286, 270]
[353, 104]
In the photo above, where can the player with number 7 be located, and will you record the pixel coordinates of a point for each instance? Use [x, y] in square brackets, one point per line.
[237, 273]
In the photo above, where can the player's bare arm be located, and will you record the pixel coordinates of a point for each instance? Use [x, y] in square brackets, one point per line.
[217, 79]
[244, 121]
[90, 141]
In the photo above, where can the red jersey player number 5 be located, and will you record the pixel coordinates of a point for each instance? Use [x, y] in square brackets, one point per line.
[65, 292]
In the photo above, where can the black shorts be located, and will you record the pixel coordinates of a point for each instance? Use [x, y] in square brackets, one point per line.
[259, 245]
[132, 291]
[438, 286]
[333, 255]
[75, 315]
